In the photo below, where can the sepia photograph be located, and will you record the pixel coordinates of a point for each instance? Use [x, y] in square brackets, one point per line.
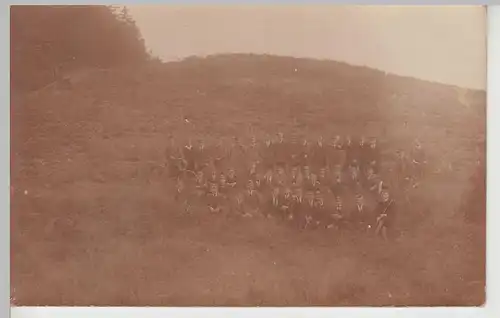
[248, 155]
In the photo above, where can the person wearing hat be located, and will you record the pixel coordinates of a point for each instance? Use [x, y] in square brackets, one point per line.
[385, 214]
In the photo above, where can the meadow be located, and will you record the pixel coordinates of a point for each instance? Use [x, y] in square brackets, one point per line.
[93, 220]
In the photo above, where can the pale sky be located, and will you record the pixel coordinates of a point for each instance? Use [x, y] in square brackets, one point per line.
[437, 43]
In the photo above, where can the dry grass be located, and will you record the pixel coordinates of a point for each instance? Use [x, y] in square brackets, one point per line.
[98, 226]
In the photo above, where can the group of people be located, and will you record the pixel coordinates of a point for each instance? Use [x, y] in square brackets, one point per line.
[335, 185]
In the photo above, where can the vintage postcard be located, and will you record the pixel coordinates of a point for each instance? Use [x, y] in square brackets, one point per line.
[248, 155]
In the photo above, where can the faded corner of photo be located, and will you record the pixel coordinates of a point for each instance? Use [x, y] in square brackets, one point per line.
[248, 155]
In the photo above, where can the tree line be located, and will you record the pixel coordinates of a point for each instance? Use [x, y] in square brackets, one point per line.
[49, 40]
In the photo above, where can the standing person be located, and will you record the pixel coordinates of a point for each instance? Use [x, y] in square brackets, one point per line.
[361, 153]
[189, 155]
[296, 177]
[201, 185]
[418, 163]
[385, 215]
[267, 154]
[335, 153]
[337, 182]
[305, 153]
[281, 150]
[252, 153]
[237, 153]
[354, 175]
[347, 146]
[373, 156]
[319, 154]
[296, 153]
[200, 156]
[174, 160]
[323, 179]
[402, 168]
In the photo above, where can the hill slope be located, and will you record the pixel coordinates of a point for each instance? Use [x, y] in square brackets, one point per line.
[90, 197]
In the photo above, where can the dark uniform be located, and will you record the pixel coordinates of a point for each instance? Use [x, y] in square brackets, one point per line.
[201, 156]
[296, 177]
[267, 155]
[359, 216]
[281, 151]
[373, 156]
[336, 219]
[347, 146]
[361, 153]
[305, 153]
[337, 183]
[319, 154]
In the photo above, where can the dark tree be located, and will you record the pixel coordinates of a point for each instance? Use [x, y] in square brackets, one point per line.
[47, 41]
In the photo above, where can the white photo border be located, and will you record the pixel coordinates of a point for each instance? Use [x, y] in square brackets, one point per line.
[493, 156]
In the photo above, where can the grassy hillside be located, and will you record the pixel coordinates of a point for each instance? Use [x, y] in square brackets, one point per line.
[93, 221]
